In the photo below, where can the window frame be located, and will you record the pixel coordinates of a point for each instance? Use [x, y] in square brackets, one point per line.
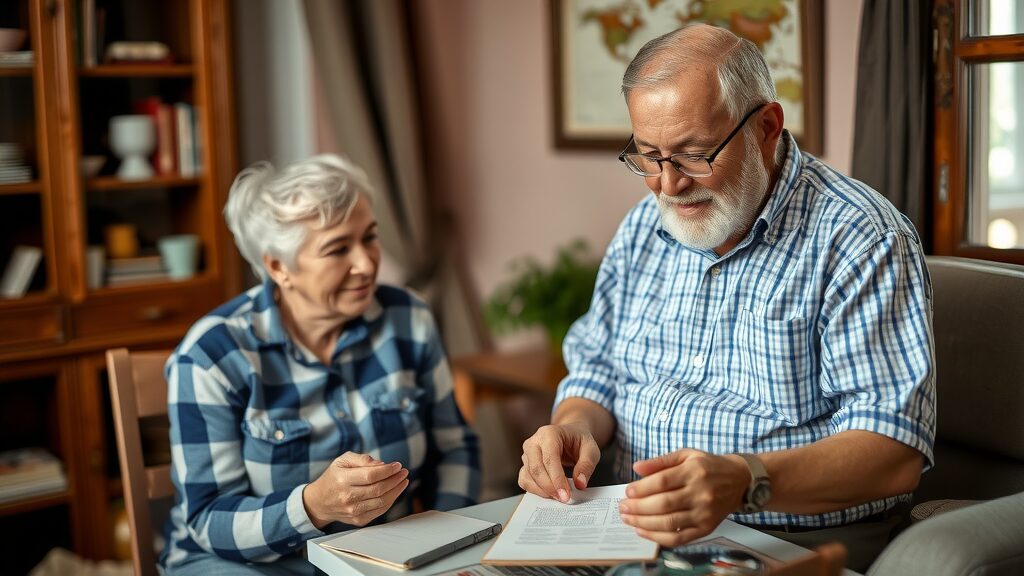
[954, 50]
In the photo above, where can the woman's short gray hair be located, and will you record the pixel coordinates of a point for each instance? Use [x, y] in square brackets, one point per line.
[743, 77]
[269, 210]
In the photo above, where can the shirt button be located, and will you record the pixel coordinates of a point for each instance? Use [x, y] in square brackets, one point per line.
[279, 434]
[698, 361]
[405, 403]
[716, 271]
[340, 414]
[663, 416]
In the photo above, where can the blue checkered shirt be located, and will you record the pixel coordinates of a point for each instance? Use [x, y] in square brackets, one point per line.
[819, 321]
[254, 418]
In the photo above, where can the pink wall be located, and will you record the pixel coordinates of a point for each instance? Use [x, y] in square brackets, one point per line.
[488, 104]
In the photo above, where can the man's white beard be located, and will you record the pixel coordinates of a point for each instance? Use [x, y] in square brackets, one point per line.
[732, 211]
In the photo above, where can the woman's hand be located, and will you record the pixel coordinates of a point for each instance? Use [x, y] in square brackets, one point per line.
[355, 489]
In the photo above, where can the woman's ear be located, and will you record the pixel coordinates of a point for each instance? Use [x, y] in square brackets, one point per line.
[278, 271]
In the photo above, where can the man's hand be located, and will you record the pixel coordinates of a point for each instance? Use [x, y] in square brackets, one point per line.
[355, 489]
[552, 447]
[683, 495]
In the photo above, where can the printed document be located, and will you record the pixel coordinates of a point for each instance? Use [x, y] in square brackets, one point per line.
[587, 531]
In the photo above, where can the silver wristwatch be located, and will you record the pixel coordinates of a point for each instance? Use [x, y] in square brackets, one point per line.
[759, 492]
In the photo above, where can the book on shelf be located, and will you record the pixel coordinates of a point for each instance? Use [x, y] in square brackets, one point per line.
[135, 265]
[19, 271]
[27, 472]
[184, 113]
[165, 155]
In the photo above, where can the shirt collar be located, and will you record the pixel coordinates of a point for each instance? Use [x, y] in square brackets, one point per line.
[771, 217]
[268, 328]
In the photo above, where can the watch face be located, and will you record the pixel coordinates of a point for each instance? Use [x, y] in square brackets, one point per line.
[760, 495]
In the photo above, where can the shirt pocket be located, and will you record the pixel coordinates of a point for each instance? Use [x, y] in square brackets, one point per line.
[275, 441]
[775, 365]
[397, 415]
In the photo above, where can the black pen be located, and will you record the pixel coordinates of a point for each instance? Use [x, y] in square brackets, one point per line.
[447, 549]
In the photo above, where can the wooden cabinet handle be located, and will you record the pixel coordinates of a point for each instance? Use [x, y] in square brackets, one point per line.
[153, 313]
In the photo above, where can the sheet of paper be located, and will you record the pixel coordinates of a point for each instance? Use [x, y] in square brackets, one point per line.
[588, 530]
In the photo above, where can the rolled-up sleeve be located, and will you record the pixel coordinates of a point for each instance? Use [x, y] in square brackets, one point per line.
[877, 348]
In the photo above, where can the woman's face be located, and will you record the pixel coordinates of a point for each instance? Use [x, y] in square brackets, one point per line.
[335, 273]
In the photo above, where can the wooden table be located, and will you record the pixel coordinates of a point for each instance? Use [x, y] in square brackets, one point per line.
[494, 375]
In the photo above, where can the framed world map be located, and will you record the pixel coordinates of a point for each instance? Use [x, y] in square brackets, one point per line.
[594, 41]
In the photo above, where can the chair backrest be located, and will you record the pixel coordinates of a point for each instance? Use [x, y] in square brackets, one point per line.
[826, 560]
[978, 320]
[138, 390]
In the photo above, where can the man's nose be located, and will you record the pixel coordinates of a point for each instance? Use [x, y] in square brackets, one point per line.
[672, 181]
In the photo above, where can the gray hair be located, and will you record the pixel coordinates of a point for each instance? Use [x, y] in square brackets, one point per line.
[743, 77]
[269, 210]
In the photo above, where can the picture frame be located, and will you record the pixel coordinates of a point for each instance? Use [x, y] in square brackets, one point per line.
[594, 40]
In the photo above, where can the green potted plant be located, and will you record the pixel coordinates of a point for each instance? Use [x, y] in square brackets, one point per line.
[552, 297]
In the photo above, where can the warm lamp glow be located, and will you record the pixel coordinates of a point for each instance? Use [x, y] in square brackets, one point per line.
[1002, 233]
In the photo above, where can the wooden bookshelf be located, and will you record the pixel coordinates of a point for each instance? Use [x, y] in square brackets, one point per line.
[53, 385]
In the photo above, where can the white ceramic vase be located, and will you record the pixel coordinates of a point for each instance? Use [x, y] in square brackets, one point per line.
[133, 139]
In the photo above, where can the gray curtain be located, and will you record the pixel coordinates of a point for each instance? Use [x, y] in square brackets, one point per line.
[363, 55]
[890, 151]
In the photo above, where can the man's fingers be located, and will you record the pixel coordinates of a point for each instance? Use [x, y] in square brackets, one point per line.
[590, 455]
[656, 503]
[657, 483]
[658, 463]
[673, 538]
[533, 461]
[527, 483]
[671, 522]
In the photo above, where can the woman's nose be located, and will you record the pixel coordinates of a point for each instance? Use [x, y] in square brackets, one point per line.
[362, 262]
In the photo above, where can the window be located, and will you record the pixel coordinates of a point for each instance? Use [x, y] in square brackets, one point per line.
[979, 129]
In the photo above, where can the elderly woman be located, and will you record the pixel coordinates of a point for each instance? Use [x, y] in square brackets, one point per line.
[314, 402]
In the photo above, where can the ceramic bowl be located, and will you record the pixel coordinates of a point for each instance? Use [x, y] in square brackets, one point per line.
[11, 39]
[91, 165]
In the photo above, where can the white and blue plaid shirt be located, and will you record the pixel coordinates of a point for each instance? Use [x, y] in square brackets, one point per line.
[254, 418]
[819, 321]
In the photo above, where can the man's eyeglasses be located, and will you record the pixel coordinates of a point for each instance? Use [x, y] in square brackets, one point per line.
[693, 165]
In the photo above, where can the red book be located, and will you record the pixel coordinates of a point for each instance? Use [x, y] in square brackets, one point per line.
[163, 120]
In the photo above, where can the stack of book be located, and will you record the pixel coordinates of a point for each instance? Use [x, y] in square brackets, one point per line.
[122, 271]
[30, 472]
[24, 59]
[13, 169]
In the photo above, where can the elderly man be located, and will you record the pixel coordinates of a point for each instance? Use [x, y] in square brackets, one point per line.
[759, 343]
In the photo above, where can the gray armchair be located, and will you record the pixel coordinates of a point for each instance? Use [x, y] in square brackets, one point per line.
[979, 448]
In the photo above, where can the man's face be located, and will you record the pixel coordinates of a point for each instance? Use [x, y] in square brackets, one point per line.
[711, 212]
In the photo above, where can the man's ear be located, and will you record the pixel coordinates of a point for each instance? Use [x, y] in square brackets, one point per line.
[769, 129]
[277, 269]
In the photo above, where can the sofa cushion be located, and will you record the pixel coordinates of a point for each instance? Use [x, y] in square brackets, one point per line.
[985, 539]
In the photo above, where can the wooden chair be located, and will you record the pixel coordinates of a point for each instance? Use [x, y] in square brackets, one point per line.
[826, 560]
[138, 390]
